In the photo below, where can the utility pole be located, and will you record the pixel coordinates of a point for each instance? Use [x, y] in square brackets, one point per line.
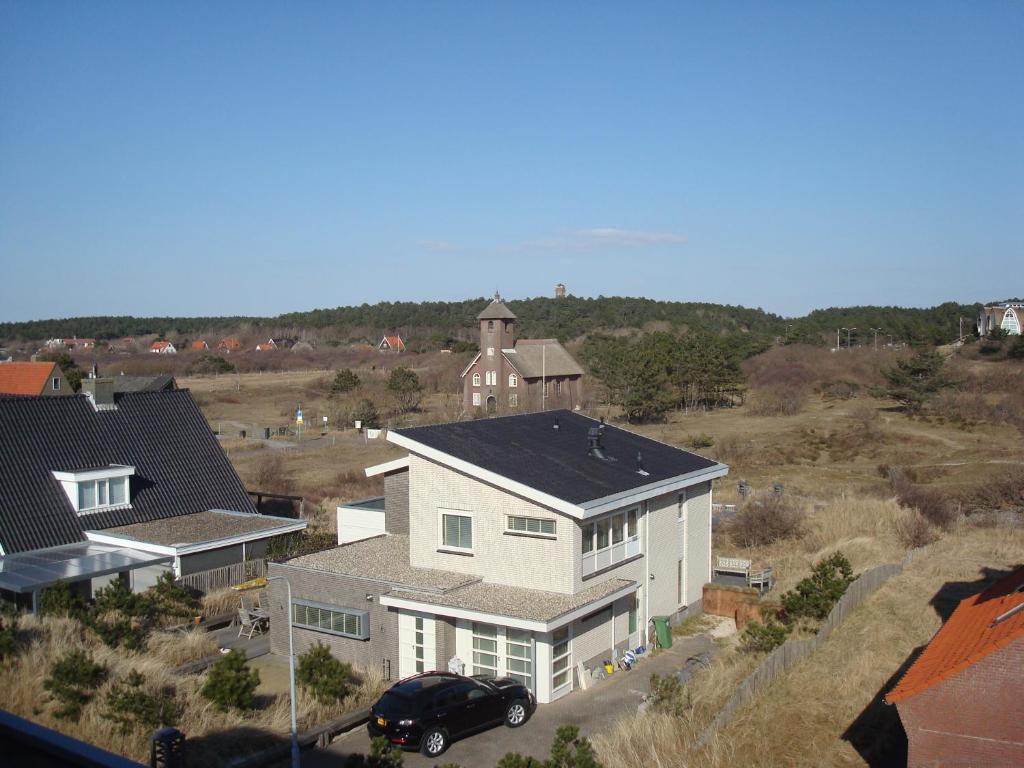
[848, 331]
[876, 330]
[837, 339]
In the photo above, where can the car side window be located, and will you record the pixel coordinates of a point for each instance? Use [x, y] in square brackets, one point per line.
[476, 692]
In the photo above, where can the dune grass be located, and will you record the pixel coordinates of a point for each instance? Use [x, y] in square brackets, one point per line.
[213, 736]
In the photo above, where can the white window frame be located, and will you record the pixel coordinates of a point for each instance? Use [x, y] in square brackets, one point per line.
[566, 657]
[476, 398]
[476, 379]
[362, 617]
[490, 351]
[513, 399]
[442, 546]
[491, 377]
[55, 384]
[537, 523]
[513, 381]
[598, 558]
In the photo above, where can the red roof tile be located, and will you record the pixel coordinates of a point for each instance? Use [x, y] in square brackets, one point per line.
[24, 378]
[395, 342]
[971, 633]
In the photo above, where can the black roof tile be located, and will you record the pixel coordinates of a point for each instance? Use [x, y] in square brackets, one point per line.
[528, 450]
[179, 466]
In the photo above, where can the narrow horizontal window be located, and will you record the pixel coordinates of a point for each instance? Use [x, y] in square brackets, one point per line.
[536, 525]
[346, 622]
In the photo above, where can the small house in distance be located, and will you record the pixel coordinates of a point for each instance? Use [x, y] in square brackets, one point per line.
[391, 344]
[162, 348]
[199, 345]
[229, 345]
[266, 346]
[1008, 316]
[33, 379]
[962, 701]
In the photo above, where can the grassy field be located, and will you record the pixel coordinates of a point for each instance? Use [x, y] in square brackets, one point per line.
[836, 457]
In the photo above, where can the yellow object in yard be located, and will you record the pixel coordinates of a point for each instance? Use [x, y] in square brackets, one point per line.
[258, 583]
[609, 668]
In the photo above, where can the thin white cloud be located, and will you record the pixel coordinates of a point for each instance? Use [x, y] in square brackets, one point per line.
[436, 245]
[628, 236]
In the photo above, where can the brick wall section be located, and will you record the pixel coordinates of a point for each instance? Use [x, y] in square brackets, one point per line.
[520, 561]
[396, 502]
[973, 718]
[445, 641]
[345, 592]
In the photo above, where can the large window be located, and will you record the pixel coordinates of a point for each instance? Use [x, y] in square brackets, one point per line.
[609, 540]
[485, 649]
[96, 494]
[476, 398]
[332, 620]
[476, 379]
[456, 531]
[561, 673]
[519, 656]
[541, 526]
[513, 399]
[513, 380]
[492, 378]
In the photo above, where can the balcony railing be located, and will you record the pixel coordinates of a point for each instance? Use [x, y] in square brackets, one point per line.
[615, 553]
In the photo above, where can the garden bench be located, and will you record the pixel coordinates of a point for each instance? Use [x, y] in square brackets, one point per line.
[736, 566]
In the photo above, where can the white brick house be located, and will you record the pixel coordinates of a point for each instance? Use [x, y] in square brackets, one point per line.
[535, 543]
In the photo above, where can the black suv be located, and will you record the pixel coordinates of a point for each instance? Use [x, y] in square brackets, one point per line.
[427, 711]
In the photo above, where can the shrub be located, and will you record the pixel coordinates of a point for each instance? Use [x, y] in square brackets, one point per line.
[568, 750]
[58, 600]
[271, 474]
[778, 401]
[344, 381]
[405, 388]
[839, 390]
[133, 708]
[118, 596]
[327, 678]
[932, 504]
[814, 596]
[366, 413]
[168, 598]
[117, 630]
[765, 521]
[701, 441]
[303, 543]
[764, 637]
[913, 382]
[1016, 350]
[915, 531]
[209, 365]
[381, 756]
[230, 683]
[669, 695]
[72, 681]
[8, 636]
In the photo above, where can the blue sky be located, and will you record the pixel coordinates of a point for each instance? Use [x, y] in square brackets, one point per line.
[256, 158]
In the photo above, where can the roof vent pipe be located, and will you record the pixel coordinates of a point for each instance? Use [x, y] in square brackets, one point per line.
[640, 465]
[594, 443]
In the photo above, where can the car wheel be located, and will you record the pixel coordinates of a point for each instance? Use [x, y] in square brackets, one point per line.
[516, 714]
[434, 742]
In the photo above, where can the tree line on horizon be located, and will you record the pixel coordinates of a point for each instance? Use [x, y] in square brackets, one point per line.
[447, 322]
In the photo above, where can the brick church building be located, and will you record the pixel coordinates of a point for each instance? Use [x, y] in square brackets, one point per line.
[511, 375]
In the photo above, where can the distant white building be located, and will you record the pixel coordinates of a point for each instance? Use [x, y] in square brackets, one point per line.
[1009, 316]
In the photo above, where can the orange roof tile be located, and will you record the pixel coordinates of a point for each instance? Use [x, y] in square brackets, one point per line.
[969, 635]
[199, 344]
[24, 378]
[395, 342]
[160, 345]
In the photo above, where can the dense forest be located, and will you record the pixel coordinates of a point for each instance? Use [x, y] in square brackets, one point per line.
[564, 319]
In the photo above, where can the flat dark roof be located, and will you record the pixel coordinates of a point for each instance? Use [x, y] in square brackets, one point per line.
[528, 449]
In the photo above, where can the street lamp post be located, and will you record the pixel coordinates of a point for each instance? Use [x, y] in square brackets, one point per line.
[876, 330]
[848, 331]
[291, 670]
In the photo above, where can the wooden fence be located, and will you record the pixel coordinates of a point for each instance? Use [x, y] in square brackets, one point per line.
[790, 652]
[225, 576]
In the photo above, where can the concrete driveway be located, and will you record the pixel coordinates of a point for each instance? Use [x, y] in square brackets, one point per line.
[593, 711]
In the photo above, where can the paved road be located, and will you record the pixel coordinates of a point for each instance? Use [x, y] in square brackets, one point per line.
[593, 711]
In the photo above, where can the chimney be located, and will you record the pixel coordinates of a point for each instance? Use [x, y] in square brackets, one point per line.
[100, 393]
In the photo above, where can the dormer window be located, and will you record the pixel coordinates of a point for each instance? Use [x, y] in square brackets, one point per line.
[95, 490]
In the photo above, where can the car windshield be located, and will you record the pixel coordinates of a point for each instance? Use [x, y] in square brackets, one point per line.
[395, 705]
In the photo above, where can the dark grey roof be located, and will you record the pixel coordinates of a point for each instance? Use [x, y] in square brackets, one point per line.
[496, 310]
[179, 466]
[124, 383]
[528, 450]
[534, 358]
